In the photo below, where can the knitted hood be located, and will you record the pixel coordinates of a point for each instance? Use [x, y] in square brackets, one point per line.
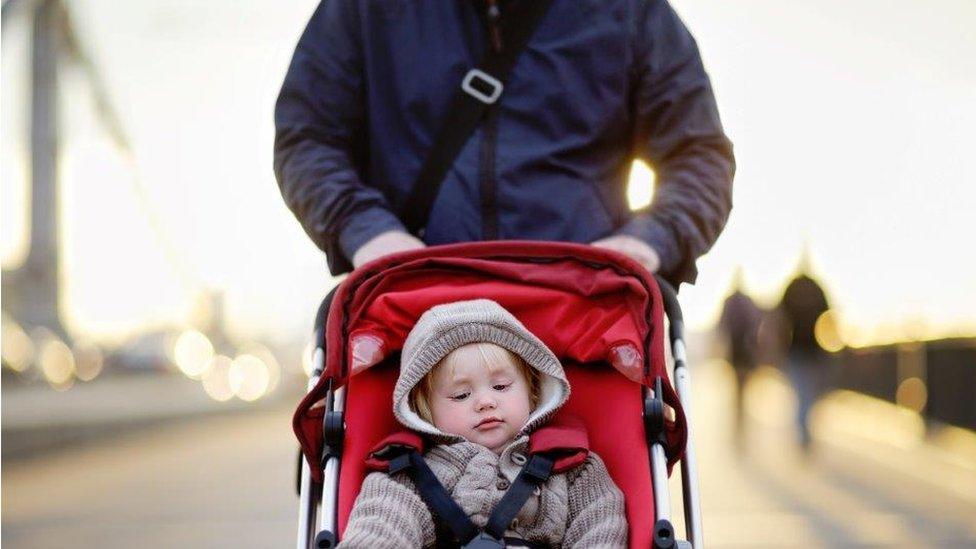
[444, 328]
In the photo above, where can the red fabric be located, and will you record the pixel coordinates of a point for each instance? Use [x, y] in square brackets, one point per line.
[615, 427]
[369, 419]
[571, 321]
[563, 437]
[585, 290]
[378, 461]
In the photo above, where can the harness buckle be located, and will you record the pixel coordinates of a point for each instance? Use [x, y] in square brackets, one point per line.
[484, 541]
[482, 86]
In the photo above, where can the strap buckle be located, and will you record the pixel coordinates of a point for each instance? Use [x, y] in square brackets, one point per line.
[490, 87]
[484, 541]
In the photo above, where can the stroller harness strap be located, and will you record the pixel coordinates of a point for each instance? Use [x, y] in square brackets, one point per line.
[434, 494]
[533, 474]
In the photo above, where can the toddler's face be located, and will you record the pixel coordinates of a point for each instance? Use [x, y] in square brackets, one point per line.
[484, 405]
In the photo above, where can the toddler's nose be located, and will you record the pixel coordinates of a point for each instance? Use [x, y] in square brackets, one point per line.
[486, 403]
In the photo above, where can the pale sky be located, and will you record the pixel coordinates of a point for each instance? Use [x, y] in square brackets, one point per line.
[852, 123]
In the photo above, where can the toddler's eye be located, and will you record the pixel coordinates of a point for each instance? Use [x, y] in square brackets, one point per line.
[501, 386]
[459, 397]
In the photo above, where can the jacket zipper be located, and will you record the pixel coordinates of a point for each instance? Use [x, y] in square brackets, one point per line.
[494, 16]
[489, 205]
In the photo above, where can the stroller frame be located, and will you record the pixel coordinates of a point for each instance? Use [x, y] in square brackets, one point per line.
[321, 500]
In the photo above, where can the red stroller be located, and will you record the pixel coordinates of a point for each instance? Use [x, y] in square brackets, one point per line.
[600, 313]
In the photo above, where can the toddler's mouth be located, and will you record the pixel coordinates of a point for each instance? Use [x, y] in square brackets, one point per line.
[488, 423]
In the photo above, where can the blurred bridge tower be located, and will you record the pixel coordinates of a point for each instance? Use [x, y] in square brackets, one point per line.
[31, 293]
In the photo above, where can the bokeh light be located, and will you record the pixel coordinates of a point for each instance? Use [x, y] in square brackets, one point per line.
[89, 361]
[17, 348]
[216, 378]
[827, 332]
[912, 394]
[56, 361]
[269, 360]
[769, 397]
[307, 358]
[640, 188]
[193, 353]
[248, 378]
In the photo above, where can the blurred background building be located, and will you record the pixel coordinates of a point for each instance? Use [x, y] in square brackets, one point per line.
[155, 287]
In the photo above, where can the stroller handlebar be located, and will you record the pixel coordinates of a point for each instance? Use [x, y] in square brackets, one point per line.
[670, 295]
[321, 316]
[672, 309]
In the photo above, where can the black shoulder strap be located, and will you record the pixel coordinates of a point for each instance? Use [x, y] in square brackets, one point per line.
[435, 495]
[535, 472]
[479, 90]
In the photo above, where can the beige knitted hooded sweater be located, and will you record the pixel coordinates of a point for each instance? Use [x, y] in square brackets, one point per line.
[579, 508]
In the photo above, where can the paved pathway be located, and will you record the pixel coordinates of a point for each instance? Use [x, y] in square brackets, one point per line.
[874, 481]
[216, 482]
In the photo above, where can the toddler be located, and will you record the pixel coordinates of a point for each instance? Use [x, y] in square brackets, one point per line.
[476, 384]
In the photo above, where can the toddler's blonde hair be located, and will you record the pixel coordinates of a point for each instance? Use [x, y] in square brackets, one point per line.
[491, 357]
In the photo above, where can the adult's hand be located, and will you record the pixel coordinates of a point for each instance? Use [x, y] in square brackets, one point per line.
[383, 244]
[634, 247]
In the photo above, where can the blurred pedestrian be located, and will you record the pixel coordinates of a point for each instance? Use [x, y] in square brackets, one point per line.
[374, 88]
[739, 326]
[807, 365]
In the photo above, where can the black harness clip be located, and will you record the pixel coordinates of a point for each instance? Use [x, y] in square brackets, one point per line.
[484, 541]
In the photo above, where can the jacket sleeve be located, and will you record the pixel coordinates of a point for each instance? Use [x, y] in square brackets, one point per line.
[388, 513]
[678, 132]
[320, 145]
[597, 518]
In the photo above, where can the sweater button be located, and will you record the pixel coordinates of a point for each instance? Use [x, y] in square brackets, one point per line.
[502, 484]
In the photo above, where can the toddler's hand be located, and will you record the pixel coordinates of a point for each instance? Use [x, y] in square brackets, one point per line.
[633, 247]
[383, 244]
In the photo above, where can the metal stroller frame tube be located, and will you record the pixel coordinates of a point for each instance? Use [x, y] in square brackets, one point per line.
[655, 431]
[325, 535]
[306, 501]
[330, 492]
[659, 477]
[308, 506]
[689, 464]
[682, 382]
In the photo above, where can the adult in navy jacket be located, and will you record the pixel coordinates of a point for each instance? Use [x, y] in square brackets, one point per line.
[601, 82]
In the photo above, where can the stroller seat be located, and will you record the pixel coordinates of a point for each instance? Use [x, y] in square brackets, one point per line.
[582, 302]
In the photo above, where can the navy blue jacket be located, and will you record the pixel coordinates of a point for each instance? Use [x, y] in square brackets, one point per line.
[600, 83]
